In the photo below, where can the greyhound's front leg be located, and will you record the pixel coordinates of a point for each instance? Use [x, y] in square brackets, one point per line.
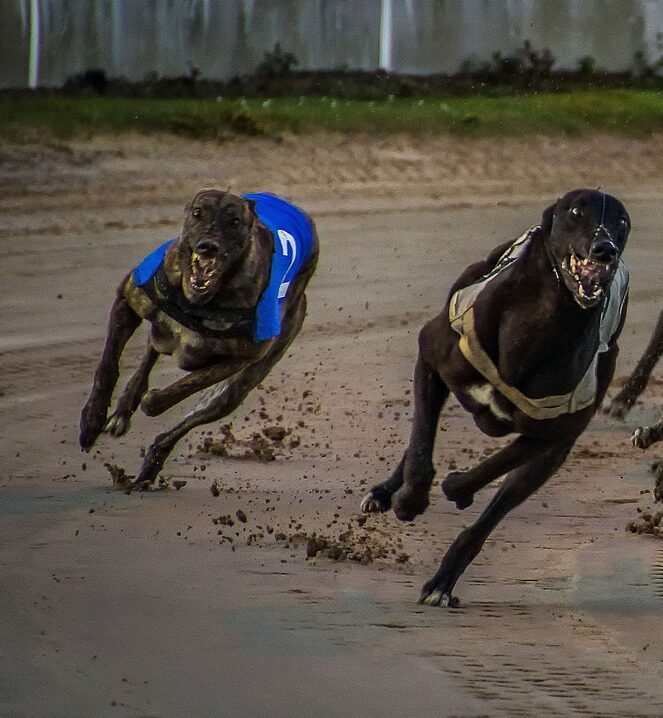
[378, 499]
[118, 421]
[122, 324]
[430, 393]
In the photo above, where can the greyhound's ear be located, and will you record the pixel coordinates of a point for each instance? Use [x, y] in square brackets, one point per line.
[547, 218]
[251, 205]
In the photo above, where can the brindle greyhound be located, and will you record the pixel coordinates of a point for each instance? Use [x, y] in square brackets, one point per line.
[527, 342]
[226, 298]
[644, 436]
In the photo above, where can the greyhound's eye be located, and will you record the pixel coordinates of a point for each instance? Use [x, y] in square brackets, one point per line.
[196, 212]
[576, 211]
[234, 221]
[623, 223]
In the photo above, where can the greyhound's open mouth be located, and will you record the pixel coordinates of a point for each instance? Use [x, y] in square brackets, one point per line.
[201, 271]
[587, 278]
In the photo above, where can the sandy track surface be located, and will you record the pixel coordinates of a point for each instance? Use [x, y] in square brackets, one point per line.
[168, 603]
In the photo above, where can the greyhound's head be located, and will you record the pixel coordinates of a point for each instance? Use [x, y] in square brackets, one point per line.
[216, 236]
[586, 235]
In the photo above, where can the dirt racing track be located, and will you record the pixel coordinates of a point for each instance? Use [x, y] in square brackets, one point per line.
[257, 588]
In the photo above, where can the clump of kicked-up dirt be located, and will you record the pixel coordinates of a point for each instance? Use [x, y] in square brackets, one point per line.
[270, 443]
[651, 522]
[360, 543]
[124, 482]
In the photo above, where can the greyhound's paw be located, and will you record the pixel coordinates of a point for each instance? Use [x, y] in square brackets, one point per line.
[151, 403]
[407, 503]
[91, 426]
[452, 487]
[153, 462]
[117, 424]
[642, 437]
[437, 597]
[373, 504]
[148, 472]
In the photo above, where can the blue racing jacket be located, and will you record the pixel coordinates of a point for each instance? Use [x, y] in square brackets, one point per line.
[293, 242]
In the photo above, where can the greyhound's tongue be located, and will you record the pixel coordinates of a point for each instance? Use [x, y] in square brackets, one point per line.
[589, 278]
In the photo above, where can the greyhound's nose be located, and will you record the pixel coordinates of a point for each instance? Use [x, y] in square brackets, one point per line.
[603, 250]
[207, 248]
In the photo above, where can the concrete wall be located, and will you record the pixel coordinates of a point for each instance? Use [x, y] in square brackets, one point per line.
[224, 38]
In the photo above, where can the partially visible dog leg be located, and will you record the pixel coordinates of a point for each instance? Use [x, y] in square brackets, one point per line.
[118, 421]
[657, 470]
[636, 383]
[518, 485]
[218, 401]
[644, 436]
[156, 401]
[430, 393]
[122, 324]
[460, 486]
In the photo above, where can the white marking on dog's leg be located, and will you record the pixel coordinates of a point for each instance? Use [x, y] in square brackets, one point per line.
[210, 395]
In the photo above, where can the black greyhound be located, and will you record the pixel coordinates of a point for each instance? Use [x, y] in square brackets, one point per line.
[527, 342]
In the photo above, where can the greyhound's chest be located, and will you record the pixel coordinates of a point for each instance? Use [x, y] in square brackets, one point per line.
[184, 345]
[485, 395]
[189, 349]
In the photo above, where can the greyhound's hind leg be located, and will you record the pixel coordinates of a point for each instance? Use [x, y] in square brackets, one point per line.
[156, 401]
[518, 485]
[218, 401]
[644, 436]
[460, 486]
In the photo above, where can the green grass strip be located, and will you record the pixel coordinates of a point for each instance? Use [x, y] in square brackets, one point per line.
[615, 111]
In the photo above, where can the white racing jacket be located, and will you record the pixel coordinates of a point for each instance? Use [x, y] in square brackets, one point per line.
[461, 317]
